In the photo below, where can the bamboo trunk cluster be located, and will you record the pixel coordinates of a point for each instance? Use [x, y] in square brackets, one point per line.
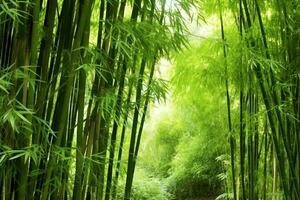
[268, 127]
[66, 97]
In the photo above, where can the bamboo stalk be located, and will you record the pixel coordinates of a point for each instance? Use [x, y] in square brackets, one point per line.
[231, 138]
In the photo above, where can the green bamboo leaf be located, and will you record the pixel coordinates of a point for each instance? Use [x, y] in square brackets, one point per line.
[4, 84]
[17, 156]
[2, 159]
[9, 117]
[22, 117]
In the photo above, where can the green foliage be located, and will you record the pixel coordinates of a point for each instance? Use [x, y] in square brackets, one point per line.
[161, 147]
[12, 9]
[32, 152]
[146, 187]
[74, 73]
[190, 134]
[194, 167]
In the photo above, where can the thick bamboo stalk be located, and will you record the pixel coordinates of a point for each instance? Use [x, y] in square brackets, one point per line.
[63, 111]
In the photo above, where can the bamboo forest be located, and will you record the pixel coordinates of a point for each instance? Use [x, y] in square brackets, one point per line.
[149, 99]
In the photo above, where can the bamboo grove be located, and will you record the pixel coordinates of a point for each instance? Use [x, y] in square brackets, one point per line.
[264, 136]
[76, 80]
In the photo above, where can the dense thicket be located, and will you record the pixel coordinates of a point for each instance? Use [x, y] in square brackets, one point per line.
[75, 76]
[265, 142]
[247, 62]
